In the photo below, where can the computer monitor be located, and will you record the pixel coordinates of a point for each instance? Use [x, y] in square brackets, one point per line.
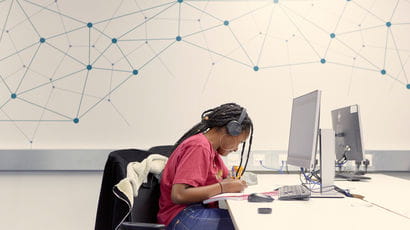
[305, 139]
[348, 134]
[304, 130]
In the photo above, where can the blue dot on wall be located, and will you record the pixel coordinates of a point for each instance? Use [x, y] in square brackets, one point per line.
[76, 120]
[408, 86]
[135, 72]
[388, 24]
[226, 22]
[180, 1]
[89, 25]
[178, 38]
[332, 35]
[89, 67]
[42, 40]
[256, 68]
[13, 96]
[114, 40]
[323, 61]
[383, 71]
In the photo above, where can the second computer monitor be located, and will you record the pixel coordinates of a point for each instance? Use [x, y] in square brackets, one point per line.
[304, 130]
[348, 140]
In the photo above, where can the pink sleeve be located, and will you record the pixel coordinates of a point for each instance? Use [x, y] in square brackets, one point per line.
[193, 167]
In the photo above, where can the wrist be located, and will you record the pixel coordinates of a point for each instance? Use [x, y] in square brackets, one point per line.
[221, 187]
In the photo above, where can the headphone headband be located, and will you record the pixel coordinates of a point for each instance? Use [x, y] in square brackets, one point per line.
[242, 116]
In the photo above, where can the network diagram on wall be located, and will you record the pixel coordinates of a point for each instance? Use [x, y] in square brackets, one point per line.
[52, 53]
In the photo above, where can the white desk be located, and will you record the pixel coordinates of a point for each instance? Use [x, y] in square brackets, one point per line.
[387, 191]
[316, 213]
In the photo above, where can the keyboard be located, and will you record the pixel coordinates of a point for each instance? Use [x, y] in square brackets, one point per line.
[351, 176]
[293, 192]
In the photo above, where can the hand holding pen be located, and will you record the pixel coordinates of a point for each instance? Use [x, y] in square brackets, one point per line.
[233, 185]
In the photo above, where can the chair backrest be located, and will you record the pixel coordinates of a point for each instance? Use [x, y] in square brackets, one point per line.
[111, 210]
[146, 206]
[162, 149]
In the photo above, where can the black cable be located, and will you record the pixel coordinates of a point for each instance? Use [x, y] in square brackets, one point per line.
[344, 157]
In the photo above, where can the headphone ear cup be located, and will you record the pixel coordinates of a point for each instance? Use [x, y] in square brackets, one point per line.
[234, 128]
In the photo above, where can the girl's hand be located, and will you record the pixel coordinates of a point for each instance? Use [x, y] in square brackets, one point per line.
[233, 185]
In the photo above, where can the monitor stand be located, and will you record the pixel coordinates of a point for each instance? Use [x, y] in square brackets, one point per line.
[327, 165]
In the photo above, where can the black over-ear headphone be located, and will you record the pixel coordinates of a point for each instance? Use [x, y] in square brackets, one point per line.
[234, 127]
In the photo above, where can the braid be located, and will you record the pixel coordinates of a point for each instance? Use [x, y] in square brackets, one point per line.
[248, 154]
[249, 150]
[217, 117]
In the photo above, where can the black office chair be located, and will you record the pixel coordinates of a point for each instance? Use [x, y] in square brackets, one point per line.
[162, 149]
[145, 207]
[111, 210]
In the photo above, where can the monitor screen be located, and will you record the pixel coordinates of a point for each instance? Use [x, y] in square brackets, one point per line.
[304, 130]
[348, 140]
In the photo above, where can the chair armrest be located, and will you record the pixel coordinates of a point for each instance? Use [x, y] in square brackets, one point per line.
[141, 226]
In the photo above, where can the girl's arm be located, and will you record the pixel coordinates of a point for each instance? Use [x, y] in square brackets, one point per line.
[185, 194]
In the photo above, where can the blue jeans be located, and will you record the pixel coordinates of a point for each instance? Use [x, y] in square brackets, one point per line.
[199, 217]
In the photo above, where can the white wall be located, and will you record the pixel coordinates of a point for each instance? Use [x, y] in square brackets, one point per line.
[49, 200]
[212, 64]
[177, 80]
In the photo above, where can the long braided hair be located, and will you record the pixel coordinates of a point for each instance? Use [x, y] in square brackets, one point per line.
[219, 117]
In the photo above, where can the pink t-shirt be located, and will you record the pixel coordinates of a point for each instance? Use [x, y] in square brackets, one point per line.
[194, 162]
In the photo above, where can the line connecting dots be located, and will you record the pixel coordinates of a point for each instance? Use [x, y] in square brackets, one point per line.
[57, 65]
